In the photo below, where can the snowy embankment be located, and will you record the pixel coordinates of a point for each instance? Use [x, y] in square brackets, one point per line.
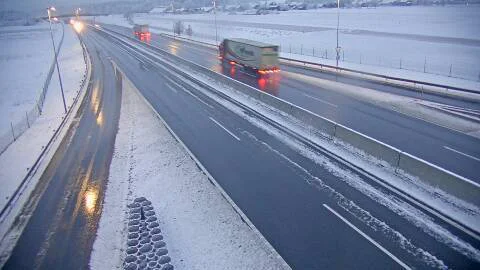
[201, 229]
[22, 154]
[434, 44]
[25, 60]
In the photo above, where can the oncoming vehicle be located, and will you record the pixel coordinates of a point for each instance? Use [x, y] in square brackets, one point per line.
[256, 57]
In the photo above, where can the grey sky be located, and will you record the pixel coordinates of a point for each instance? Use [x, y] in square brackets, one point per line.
[32, 5]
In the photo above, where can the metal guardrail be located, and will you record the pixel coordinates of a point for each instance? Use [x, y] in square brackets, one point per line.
[383, 76]
[34, 167]
[340, 69]
[431, 174]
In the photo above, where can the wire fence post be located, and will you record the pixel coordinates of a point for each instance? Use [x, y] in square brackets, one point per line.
[313, 51]
[290, 48]
[343, 56]
[13, 133]
[28, 122]
[400, 63]
[301, 49]
[360, 58]
[450, 72]
[326, 54]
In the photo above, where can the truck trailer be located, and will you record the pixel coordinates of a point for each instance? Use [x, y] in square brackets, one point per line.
[259, 57]
[142, 32]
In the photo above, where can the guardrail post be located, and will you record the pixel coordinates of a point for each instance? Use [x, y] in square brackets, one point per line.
[13, 133]
[398, 162]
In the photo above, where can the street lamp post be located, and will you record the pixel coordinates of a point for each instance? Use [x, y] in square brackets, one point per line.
[338, 25]
[215, 15]
[56, 60]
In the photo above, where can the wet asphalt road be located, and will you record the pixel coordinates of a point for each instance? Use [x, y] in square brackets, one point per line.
[428, 141]
[62, 227]
[308, 214]
[288, 197]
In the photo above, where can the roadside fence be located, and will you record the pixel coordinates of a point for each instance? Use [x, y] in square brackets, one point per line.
[18, 127]
[422, 64]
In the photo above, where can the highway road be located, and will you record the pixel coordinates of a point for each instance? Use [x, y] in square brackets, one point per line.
[313, 214]
[60, 230]
[447, 148]
[310, 217]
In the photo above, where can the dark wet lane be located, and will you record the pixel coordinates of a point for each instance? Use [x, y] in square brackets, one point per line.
[62, 228]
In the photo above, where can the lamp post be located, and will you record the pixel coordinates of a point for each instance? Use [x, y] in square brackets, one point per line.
[338, 25]
[77, 12]
[215, 15]
[55, 54]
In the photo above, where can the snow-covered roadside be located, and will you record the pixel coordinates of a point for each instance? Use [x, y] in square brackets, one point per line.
[21, 155]
[25, 59]
[201, 229]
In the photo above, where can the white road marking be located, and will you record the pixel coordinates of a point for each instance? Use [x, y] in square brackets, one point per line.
[224, 128]
[461, 153]
[321, 100]
[188, 92]
[171, 87]
[402, 264]
[133, 55]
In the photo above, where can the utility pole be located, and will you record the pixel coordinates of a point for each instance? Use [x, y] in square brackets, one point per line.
[338, 25]
[56, 60]
[215, 15]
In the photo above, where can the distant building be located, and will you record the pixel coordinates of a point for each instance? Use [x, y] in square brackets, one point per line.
[158, 10]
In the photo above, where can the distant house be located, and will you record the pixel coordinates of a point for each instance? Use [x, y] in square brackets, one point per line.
[207, 9]
[158, 10]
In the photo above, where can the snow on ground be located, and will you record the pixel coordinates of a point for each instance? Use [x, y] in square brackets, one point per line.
[111, 19]
[201, 229]
[21, 154]
[390, 37]
[457, 209]
[25, 60]
[438, 199]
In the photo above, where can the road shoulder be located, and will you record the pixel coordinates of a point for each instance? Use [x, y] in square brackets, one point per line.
[201, 229]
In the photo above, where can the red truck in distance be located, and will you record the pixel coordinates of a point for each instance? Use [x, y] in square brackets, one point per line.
[142, 32]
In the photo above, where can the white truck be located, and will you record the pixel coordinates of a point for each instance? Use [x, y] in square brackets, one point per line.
[259, 57]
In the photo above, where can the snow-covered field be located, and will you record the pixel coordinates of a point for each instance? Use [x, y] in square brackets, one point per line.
[201, 229]
[20, 155]
[439, 40]
[25, 60]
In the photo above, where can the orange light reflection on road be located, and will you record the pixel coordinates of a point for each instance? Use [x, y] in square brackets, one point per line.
[173, 47]
[90, 199]
[262, 83]
[100, 118]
